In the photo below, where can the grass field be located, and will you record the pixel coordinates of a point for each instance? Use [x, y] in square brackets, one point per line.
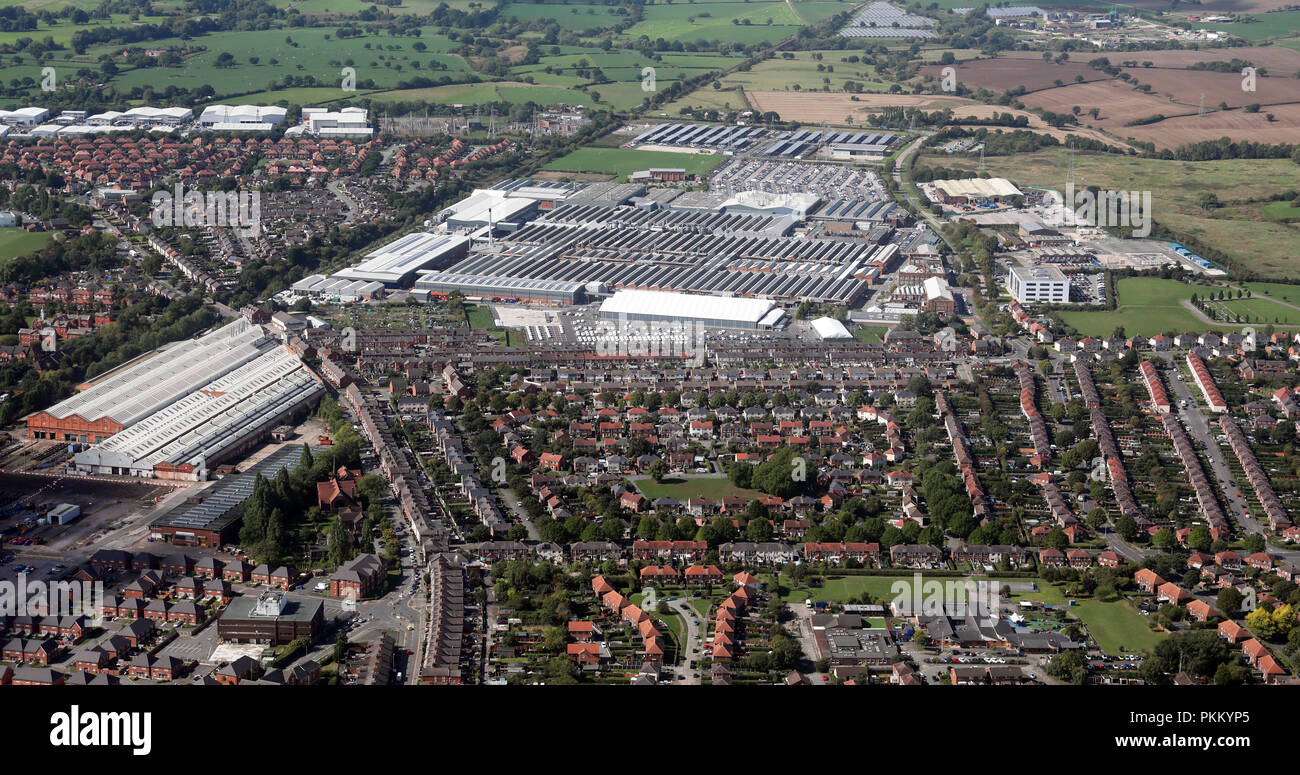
[1279, 24]
[1147, 306]
[1262, 310]
[714, 487]
[1279, 291]
[870, 333]
[755, 22]
[1116, 626]
[1249, 239]
[16, 242]
[1281, 211]
[621, 162]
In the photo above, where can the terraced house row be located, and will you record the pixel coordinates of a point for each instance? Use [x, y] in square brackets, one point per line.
[1210, 508]
[1268, 500]
[1205, 381]
[1029, 408]
[965, 460]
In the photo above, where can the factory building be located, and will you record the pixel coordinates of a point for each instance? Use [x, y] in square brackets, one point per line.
[248, 118]
[136, 392]
[440, 284]
[396, 264]
[709, 311]
[489, 207]
[975, 189]
[211, 516]
[211, 424]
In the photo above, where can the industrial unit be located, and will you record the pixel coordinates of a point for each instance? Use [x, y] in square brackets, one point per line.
[138, 391]
[710, 311]
[211, 424]
[211, 516]
[397, 263]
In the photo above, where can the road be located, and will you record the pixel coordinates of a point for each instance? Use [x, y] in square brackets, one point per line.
[683, 674]
[802, 630]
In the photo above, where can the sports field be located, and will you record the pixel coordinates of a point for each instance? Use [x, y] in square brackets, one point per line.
[17, 242]
[622, 162]
[1116, 626]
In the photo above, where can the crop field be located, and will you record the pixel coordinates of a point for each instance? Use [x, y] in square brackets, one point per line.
[622, 162]
[1185, 87]
[840, 108]
[1241, 232]
[1273, 58]
[1238, 124]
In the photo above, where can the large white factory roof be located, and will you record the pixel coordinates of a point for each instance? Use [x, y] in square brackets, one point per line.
[796, 203]
[148, 386]
[403, 256]
[243, 114]
[209, 420]
[686, 305]
[488, 204]
[830, 328]
[978, 187]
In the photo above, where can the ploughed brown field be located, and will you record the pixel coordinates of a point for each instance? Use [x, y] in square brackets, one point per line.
[1277, 59]
[1187, 86]
[1209, 7]
[998, 75]
[1236, 124]
[1117, 100]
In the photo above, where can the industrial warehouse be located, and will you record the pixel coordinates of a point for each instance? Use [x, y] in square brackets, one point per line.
[713, 311]
[211, 517]
[137, 392]
[735, 255]
[193, 407]
[760, 141]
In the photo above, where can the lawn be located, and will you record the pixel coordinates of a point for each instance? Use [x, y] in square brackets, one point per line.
[1147, 306]
[1289, 294]
[480, 317]
[1261, 310]
[622, 162]
[1116, 626]
[691, 487]
[16, 242]
[870, 333]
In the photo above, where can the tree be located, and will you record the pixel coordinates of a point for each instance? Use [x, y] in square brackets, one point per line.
[340, 545]
[1199, 539]
[1229, 602]
[1127, 527]
[1068, 666]
[658, 471]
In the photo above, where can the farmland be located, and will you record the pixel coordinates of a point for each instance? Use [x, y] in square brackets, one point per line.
[998, 75]
[620, 162]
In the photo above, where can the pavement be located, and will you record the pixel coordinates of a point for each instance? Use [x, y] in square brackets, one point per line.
[683, 674]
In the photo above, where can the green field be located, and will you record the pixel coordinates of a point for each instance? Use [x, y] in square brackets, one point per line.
[1263, 311]
[1289, 294]
[1278, 24]
[1116, 626]
[1281, 211]
[870, 333]
[755, 22]
[621, 162]
[1250, 240]
[714, 487]
[16, 242]
[1147, 306]
[579, 17]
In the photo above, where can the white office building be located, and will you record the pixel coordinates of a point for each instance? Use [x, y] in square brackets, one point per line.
[1039, 285]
